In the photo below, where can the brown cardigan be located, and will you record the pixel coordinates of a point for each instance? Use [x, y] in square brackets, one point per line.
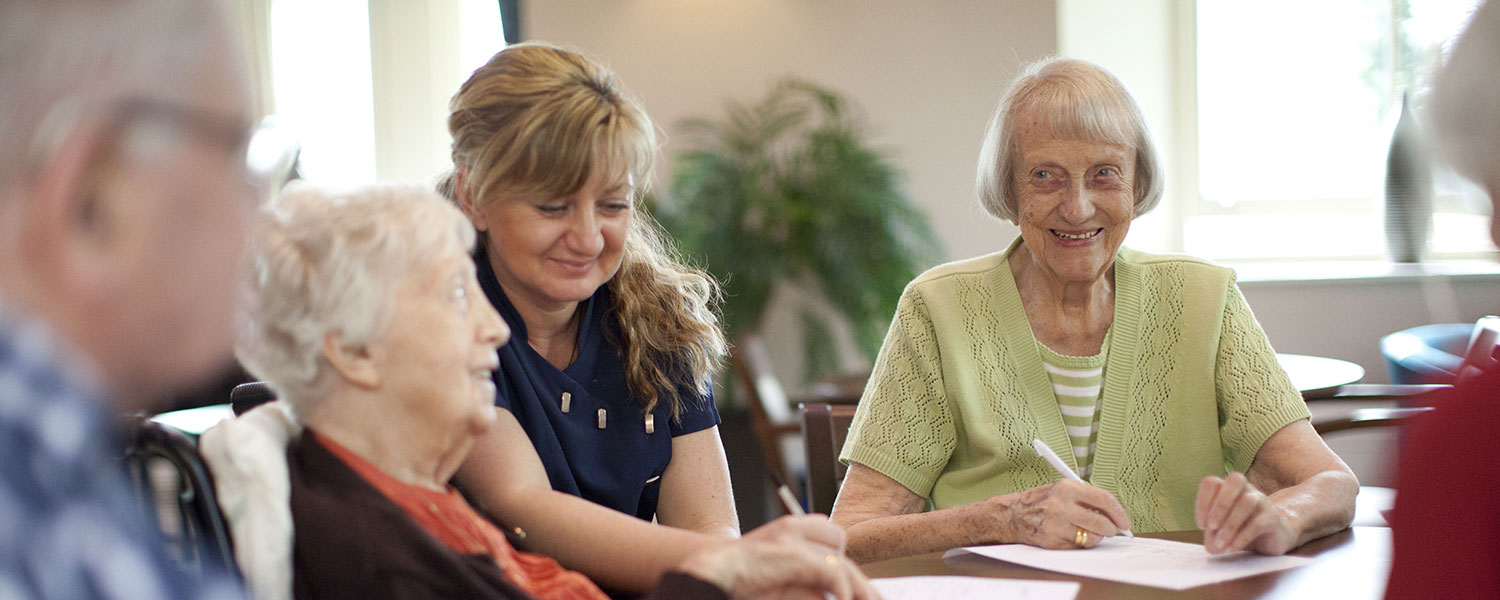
[352, 543]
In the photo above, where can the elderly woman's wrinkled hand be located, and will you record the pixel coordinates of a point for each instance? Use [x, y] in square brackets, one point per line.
[1235, 515]
[1066, 514]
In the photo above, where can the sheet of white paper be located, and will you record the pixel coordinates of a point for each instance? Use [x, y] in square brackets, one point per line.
[954, 587]
[1143, 561]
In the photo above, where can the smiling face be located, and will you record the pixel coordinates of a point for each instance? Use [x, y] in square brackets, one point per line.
[437, 355]
[1075, 201]
[553, 252]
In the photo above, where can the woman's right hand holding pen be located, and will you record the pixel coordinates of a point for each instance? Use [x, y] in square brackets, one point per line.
[1086, 532]
[1062, 515]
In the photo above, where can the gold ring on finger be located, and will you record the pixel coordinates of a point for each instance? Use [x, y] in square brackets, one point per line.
[1081, 538]
[833, 561]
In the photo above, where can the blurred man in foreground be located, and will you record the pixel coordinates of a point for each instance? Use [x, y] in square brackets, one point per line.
[123, 191]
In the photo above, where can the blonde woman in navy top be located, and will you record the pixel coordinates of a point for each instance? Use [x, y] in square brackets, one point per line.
[608, 419]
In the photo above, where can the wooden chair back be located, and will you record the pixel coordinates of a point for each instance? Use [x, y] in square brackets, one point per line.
[824, 427]
[1362, 423]
[766, 401]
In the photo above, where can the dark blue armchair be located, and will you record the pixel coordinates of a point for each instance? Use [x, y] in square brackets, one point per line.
[1426, 353]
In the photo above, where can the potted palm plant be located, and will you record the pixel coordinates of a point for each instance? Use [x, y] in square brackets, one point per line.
[787, 191]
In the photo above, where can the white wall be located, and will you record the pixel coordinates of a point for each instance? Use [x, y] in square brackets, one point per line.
[926, 73]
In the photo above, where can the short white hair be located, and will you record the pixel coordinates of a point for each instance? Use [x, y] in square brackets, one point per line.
[1464, 110]
[62, 59]
[324, 261]
[1074, 99]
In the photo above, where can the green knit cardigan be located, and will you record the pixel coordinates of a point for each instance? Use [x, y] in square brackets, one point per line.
[1191, 388]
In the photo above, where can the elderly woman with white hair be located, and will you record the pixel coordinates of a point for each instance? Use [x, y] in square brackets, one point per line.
[364, 314]
[1147, 373]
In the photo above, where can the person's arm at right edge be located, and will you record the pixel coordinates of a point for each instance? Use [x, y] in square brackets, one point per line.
[884, 519]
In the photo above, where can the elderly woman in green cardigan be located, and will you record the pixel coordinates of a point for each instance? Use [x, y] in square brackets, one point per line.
[1147, 373]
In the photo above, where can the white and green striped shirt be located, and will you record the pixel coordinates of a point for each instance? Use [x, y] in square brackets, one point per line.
[1075, 383]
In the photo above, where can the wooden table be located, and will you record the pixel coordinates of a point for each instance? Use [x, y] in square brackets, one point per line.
[1316, 375]
[1351, 564]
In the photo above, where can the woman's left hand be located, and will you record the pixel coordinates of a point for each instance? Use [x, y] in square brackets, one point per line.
[1234, 515]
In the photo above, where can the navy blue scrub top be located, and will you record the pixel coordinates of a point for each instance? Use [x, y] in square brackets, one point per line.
[618, 465]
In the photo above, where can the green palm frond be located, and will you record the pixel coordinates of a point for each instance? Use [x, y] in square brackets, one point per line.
[787, 189]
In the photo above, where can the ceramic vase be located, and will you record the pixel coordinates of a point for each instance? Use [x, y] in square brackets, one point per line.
[1408, 188]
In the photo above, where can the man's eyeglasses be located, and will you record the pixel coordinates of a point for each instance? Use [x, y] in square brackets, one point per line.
[263, 151]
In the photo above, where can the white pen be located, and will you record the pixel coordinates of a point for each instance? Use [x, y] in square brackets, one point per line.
[1051, 457]
[792, 505]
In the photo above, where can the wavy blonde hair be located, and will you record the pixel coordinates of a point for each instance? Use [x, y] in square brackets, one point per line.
[540, 119]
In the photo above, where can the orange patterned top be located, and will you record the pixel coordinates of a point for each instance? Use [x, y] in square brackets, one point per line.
[449, 518]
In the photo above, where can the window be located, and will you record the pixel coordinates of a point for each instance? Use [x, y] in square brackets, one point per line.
[364, 86]
[320, 77]
[1294, 121]
[1273, 119]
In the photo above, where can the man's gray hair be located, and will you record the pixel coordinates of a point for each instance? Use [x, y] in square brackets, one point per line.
[324, 261]
[1074, 99]
[61, 59]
